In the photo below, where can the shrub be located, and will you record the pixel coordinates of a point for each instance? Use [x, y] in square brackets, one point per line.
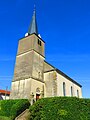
[5, 107]
[4, 118]
[12, 108]
[60, 108]
[19, 107]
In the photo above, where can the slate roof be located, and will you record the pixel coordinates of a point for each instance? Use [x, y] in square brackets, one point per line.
[33, 25]
[62, 73]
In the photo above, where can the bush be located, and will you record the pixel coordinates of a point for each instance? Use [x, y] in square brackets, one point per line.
[5, 107]
[4, 118]
[19, 107]
[12, 108]
[61, 108]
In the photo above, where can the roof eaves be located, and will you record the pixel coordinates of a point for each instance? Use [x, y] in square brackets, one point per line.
[63, 74]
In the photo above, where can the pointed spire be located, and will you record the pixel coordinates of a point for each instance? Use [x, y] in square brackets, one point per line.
[33, 25]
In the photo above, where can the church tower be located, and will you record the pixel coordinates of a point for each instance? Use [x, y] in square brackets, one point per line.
[28, 77]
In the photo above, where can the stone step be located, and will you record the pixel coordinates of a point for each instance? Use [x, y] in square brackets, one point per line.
[23, 116]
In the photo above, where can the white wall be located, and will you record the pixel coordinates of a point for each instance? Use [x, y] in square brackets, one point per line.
[68, 84]
[3, 96]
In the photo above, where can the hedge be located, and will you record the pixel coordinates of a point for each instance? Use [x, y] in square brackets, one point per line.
[61, 108]
[12, 108]
[18, 108]
[5, 107]
[4, 118]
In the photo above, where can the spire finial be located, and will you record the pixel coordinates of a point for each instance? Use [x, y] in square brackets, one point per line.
[34, 11]
[34, 7]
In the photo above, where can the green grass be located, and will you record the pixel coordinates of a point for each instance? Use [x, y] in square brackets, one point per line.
[61, 108]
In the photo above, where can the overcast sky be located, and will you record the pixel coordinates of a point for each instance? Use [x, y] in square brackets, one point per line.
[63, 24]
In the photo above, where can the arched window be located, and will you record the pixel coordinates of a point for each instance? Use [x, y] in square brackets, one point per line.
[71, 91]
[77, 93]
[64, 89]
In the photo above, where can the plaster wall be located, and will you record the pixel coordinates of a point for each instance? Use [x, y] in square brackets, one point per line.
[21, 89]
[68, 84]
[7, 97]
[50, 84]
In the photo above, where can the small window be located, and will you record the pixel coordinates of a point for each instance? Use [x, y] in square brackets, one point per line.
[64, 89]
[77, 93]
[71, 91]
[39, 42]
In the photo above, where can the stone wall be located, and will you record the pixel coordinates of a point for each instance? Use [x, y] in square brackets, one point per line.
[38, 66]
[23, 66]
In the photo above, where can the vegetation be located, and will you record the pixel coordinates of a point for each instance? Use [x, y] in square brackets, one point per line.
[55, 108]
[61, 108]
[4, 118]
[19, 107]
[9, 109]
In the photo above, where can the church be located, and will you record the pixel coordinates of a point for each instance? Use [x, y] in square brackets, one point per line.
[34, 76]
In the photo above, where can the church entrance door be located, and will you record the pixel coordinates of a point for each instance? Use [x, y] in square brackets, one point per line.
[37, 96]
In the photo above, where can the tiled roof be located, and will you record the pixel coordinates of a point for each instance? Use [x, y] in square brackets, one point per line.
[5, 92]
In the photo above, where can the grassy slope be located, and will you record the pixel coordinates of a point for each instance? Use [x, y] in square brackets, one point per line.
[60, 108]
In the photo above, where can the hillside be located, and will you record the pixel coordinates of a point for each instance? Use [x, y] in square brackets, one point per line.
[61, 108]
